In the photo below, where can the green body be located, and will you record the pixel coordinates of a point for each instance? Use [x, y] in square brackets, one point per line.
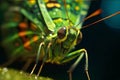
[52, 31]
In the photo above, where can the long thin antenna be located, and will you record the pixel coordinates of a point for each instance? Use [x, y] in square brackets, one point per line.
[97, 12]
[102, 19]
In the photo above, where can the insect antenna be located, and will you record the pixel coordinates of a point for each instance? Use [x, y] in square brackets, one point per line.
[97, 12]
[107, 17]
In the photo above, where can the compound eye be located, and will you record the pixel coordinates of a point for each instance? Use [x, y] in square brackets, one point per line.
[79, 38]
[61, 33]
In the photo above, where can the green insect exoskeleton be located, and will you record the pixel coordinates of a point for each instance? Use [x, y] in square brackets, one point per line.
[45, 30]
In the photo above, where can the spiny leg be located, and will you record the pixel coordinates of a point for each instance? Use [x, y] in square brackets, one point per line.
[73, 55]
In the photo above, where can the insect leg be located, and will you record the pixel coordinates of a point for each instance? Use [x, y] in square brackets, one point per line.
[80, 54]
[44, 59]
[40, 68]
[38, 55]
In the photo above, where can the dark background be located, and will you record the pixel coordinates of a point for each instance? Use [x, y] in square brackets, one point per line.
[103, 46]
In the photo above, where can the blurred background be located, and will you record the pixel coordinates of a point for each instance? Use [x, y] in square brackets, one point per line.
[102, 41]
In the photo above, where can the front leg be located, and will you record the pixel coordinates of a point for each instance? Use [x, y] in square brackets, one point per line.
[80, 54]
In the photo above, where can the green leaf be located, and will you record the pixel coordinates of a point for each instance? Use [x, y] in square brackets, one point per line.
[12, 74]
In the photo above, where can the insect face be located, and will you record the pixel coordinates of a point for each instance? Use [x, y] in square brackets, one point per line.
[52, 37]
[69, 36]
